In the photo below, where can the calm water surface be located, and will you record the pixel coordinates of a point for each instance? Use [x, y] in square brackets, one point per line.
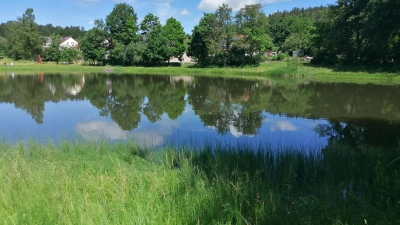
[193, 111]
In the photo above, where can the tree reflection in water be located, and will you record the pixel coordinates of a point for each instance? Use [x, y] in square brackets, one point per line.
[226, 105]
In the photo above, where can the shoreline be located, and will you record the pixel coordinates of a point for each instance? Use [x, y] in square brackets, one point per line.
[269, 70]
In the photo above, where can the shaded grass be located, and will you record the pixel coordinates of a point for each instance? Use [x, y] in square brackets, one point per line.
[103, 183]
[339, 74]
[362, 68]
[313, 189]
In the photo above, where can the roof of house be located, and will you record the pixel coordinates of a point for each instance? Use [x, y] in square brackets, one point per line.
[67, 44]
[63, 39]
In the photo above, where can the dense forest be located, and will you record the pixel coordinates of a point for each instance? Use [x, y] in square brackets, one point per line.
[347, 32]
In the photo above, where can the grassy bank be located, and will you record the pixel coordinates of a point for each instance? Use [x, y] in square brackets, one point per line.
[102, 183]
[186, 69]
[265, 70]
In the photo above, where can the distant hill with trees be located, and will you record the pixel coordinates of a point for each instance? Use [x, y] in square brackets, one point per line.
[69, 31]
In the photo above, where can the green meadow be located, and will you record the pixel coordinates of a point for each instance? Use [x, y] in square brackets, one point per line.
[275, 70]
[120, 183]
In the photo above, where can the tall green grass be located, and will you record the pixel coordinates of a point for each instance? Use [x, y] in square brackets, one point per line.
[119, 183]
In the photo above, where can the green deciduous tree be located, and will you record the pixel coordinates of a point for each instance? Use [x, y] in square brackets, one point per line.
[122, 24]
[221, 39]
[28, 41]
[53, 52]
[360, 32]
[252, 23]
[298, 41]
[137, 50]
[122, 27]
[8, 32]
[3, 46]
[117, 54]
[223, 33]
[175, 34]
[200, 45]
[148, 23]
[212, 37]
[69, 55]
[156, 51]
[94, 43]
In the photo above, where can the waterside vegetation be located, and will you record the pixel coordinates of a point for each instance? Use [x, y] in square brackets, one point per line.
[103, 183]
[269, 70]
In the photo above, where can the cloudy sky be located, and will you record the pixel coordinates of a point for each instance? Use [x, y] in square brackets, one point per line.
[83, 12]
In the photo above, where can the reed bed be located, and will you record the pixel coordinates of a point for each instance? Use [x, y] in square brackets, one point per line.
[120, 183]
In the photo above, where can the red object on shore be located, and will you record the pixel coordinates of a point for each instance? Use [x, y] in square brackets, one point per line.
[40, 59]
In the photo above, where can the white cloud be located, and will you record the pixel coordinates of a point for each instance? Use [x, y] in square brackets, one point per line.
[211, 5]
[185, 12]
[164, 10]
[283, 126]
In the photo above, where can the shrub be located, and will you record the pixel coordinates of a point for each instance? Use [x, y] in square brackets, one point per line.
[175, 64]
[325, 58]
[263, 58]
[281, 56]
[293, 63]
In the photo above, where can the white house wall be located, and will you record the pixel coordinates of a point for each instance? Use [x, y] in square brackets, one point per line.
[69, 43]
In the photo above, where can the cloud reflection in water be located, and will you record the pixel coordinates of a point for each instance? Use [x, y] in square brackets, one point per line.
[97, 130]
[283, 126]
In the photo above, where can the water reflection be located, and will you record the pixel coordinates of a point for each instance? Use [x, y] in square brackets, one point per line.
[134, 107]
[95, 130]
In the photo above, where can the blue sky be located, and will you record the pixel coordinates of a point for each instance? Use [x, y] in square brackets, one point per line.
[83, 12]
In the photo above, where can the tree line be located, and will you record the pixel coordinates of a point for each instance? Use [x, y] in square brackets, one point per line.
[347, 32]
[359, 32]
[69, 31]
[121, 40]
[24, 38]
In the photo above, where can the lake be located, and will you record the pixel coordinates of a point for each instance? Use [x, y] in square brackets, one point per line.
[185, 111]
